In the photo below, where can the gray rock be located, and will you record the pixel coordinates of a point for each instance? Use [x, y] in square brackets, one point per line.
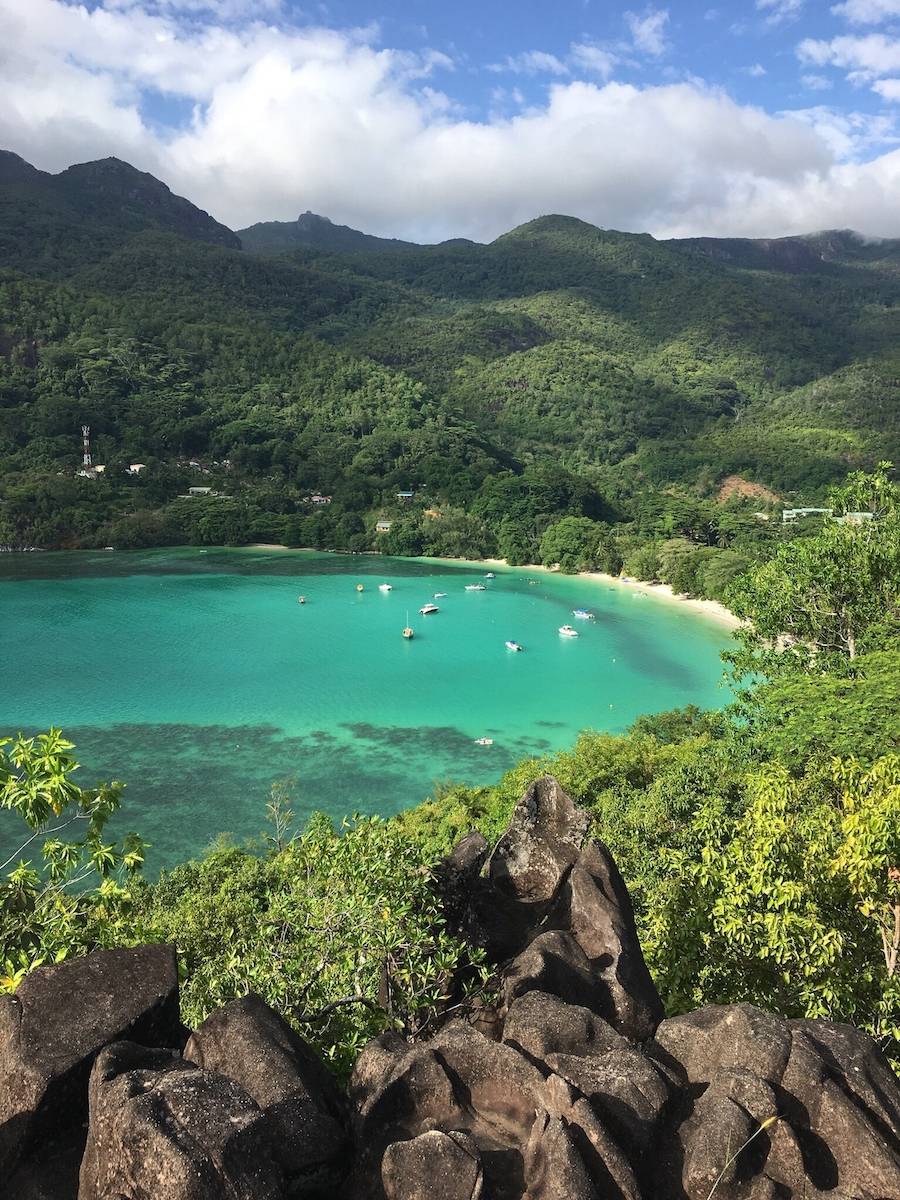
[433, 1166]
[555, 963]
[594, 906]
[542, 842]
[625, 1088]
[57, 1022]
[252, 1045]
[836, 1101]
[161, 1129]
[376, 1061]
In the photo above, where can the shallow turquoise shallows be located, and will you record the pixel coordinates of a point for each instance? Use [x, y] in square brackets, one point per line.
[198, 679]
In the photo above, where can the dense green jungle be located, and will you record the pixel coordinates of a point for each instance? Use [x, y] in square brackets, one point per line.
[659, 393]
[565, 394]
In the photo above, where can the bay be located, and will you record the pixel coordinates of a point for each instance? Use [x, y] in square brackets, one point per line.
[196, 677]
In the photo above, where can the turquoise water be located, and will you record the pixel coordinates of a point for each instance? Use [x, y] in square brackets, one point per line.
[197, 678]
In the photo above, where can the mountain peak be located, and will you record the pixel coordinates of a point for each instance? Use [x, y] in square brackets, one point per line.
[314, 231]
[14, 168]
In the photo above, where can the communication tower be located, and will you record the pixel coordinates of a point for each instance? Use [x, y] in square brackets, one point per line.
[86, 444]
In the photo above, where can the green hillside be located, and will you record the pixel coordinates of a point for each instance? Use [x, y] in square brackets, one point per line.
[279, 237]
[358, 367]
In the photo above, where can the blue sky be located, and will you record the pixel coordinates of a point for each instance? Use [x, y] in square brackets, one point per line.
[430, 120]
[724, 44]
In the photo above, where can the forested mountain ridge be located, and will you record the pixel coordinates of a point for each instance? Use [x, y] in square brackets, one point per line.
[49, 223]
[279, 237]
[574, 359]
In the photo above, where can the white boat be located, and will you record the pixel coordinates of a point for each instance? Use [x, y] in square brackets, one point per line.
[427, 609]
[439, 595]
[567, 631]
[484, 741]
[514, 646]
[583, 614]
[490, 575]
[475, 587]
[385, 587]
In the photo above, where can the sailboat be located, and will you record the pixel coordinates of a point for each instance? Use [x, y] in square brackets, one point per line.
[408, 632]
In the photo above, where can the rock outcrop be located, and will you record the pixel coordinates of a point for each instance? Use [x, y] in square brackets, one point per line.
[57, 1023]
[571, 1087]
[305, 1112]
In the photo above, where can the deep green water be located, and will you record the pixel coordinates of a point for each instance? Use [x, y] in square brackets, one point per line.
[197, 679]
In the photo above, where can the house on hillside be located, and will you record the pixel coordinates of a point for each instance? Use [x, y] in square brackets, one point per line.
[855, 518]
[433, 514]
[383, 525]
[405, 495]
[796, 514]
[136, 468]
[319, 500]
[201, 491]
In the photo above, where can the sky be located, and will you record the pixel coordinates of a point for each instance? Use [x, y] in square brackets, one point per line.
[424, 120]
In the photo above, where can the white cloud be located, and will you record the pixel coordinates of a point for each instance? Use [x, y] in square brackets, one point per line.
[756, 71]
[593, 59]
[849, 135]
[648, 30]
[867, 12]
[816, 83]
[869, 56]
[532, 62]
[780, 10]
[889, 89]
[286, 119]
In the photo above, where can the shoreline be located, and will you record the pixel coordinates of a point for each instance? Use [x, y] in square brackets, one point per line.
[713, 610]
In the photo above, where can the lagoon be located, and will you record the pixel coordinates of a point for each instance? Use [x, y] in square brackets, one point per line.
[196, 677]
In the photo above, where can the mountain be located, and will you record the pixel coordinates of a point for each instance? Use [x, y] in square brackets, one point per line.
[813, 252]
[280, 237]
[567, 355]
[49, 223]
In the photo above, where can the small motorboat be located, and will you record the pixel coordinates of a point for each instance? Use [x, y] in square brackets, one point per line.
[360, 588]
[567, 631]
[439, 595]
[483, 741]
[475, 587]
[385, 587]
[583, 614]
[514, 646]
[427, 609]
[301, 599]
[490, 575]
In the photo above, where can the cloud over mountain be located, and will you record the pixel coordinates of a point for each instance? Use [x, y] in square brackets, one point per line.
[266, 118]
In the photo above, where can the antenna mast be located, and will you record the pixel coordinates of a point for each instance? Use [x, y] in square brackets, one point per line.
[86, 443]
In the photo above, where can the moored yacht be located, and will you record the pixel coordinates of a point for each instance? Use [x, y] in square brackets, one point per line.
[567, 631]
[514, 646]
[427, 609]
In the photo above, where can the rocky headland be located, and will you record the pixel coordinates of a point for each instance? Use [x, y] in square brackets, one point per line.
[571, 1085]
